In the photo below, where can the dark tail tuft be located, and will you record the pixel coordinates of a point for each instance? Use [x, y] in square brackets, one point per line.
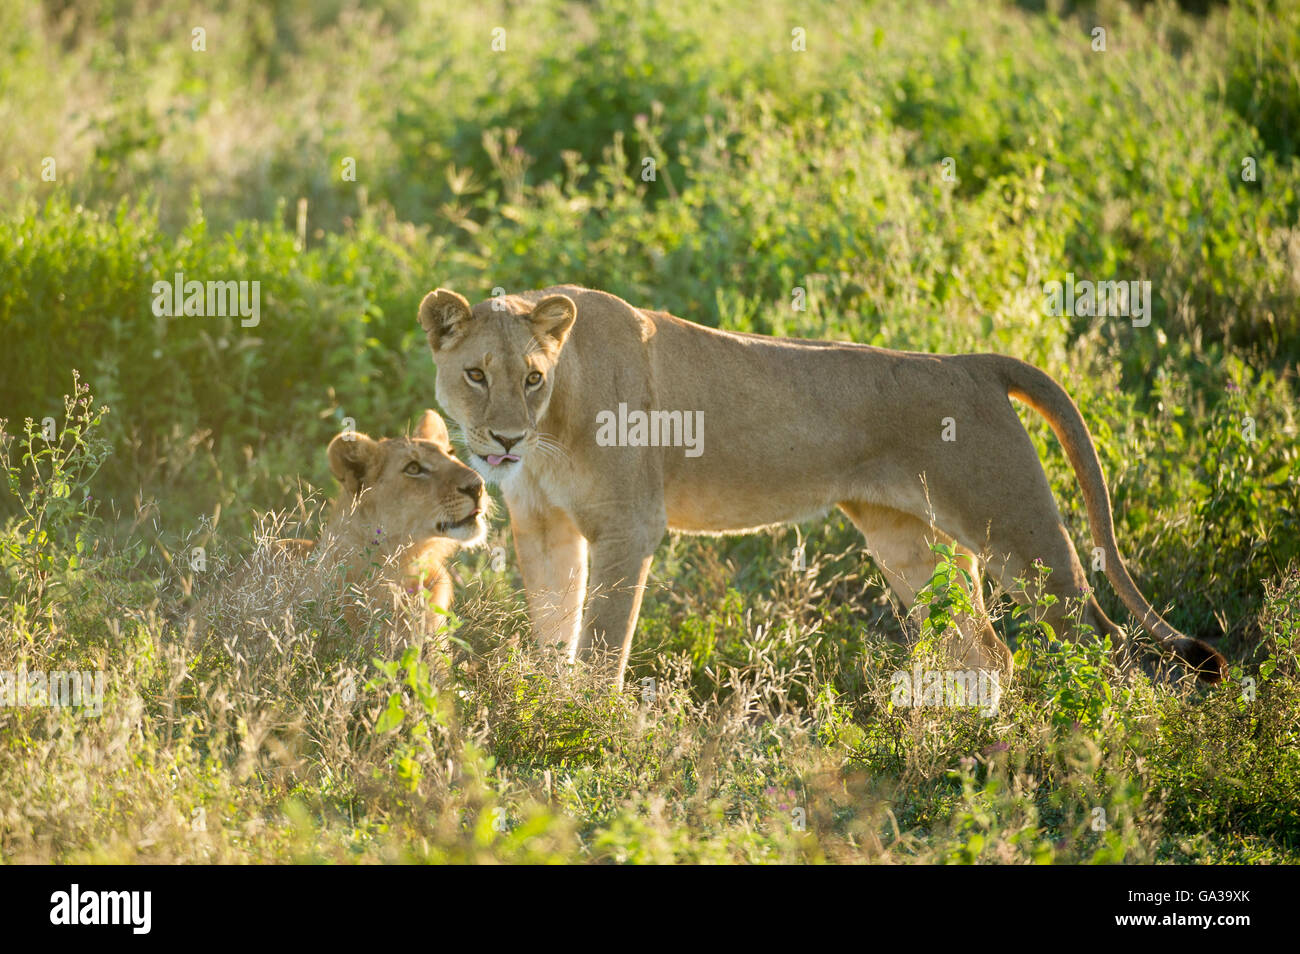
[1206, 661]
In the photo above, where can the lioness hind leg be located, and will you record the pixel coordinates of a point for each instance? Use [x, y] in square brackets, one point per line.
[1038, 535]
[900, 545]
[1009, 513]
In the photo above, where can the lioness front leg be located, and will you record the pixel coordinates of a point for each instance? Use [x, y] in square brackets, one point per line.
[620, 563]
[553, 560]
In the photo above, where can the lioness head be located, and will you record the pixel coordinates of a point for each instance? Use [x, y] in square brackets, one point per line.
[495, 364]
[404, 490]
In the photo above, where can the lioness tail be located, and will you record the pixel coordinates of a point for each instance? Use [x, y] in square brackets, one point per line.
[1040, 391]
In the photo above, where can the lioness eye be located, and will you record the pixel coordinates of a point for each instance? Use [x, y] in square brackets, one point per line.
[413, 468]
[534, 378]
[475, 375]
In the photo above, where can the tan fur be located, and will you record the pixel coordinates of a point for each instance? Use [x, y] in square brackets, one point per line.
[791, 429]
[395, 531]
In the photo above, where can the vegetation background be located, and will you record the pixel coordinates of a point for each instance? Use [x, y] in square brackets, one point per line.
[269, 734]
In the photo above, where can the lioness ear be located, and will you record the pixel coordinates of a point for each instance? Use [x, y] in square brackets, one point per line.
[552, 319]
[432, 428]
[443, 316]
[351, 455]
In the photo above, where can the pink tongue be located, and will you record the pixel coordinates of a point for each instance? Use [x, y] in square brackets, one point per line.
[496, 459]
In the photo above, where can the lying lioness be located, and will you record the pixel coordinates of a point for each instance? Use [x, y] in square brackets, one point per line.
[407, 506]
[588, 413]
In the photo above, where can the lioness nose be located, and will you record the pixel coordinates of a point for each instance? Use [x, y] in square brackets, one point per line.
[506, 442]
[473, 490]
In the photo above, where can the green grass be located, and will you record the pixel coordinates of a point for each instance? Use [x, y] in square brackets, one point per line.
[771, 735]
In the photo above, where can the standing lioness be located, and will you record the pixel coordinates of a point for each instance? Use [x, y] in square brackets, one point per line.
[606, 424]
